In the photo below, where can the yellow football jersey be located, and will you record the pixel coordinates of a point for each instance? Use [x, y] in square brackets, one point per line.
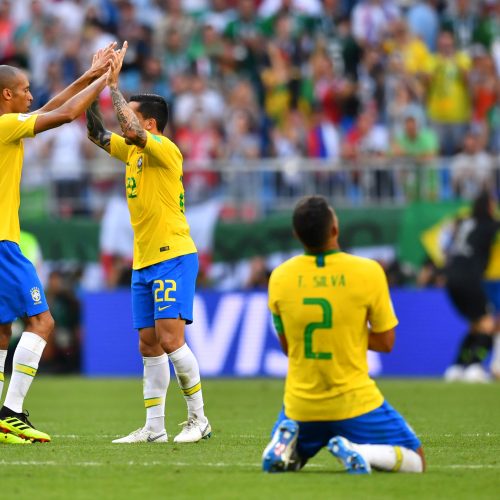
[155, 197]
[448, 98]
[324, 304]
[13, 128]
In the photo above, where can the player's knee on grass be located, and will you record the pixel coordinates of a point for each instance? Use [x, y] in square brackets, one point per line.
[392, 458]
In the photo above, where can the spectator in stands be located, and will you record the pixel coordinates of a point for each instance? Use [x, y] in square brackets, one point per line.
[71, 15]
[367, 140]
[365, 147]
[482, 85]
[493, 123]
[371, 18]
[208, 102]
[472, 169]
[219, 16]
[210, 55]
[448, 98]
[200, 142]
[423, 20]
[174, 19]
[245, 32]
[153, 80]
[277, 79]
[415, 142]
[323, 140]
[7, 30]
[462, 21]
[172, 53]
[289, 145]
[242, 143]
[402, 103]
[272, 61]
[301, 14]
[418, 146]
[65, 152]
[329, 88]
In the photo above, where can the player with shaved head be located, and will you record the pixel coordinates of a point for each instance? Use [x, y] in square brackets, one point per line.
[21, 292]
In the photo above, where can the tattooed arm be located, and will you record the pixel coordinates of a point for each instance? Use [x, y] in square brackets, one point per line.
[95, 128]
[129, 123]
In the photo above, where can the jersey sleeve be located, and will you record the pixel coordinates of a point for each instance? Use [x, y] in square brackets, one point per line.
[16, 126]
[380, 312]
[118, 148]
[162, 150]
[273, 303]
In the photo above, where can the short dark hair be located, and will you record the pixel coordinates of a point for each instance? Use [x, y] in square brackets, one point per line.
[153, 106]
[8, 76]
[312, 220]
[481, 206]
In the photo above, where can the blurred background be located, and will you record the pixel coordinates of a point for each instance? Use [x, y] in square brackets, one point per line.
[389, 108]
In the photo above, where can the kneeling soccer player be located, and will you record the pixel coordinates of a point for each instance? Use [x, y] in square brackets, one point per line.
[329, 307]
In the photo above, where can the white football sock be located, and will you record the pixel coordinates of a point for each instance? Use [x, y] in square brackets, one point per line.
[3, 356]
[390, 458]
[156, 380]
[24, 367]
[187, 372]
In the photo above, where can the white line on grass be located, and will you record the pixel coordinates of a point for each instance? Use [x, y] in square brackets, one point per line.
[132, 463]
[113, 436]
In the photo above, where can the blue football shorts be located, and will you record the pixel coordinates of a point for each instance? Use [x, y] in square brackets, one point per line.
[164, 290]
[384, 425]
[492, 289]
[21, 292]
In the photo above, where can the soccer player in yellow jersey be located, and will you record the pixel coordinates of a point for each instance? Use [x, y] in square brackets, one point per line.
[21, 293]
[165, 259]
[329, 308]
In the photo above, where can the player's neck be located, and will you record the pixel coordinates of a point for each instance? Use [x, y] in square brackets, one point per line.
[332, 247]
[4, 109]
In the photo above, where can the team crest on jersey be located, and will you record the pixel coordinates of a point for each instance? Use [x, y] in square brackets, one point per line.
[36, 295]
[139, 164]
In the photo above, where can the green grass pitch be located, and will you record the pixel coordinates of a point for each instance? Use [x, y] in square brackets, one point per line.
[458, 424]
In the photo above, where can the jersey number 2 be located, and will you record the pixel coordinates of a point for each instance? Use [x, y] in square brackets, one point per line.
[309, 330]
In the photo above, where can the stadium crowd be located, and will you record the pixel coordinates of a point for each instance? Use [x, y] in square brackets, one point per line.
[351, 82]
[342, 80]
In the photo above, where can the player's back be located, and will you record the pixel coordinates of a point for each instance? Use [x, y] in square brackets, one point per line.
[324, 302]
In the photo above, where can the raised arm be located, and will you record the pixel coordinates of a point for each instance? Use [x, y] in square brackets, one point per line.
[71, 109]
[129, 123]
[95, 128]
[99, 66]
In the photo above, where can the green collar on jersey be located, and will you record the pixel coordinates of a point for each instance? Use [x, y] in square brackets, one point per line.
[320, 257]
